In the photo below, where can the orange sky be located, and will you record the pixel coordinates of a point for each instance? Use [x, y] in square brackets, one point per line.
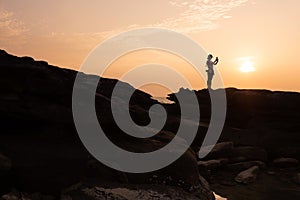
[265, 33]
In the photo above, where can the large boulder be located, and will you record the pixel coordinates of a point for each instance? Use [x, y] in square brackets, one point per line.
[247, 176]
[40, 138]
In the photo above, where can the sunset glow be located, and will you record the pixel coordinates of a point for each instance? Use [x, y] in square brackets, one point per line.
[247, 66]
[64, 33]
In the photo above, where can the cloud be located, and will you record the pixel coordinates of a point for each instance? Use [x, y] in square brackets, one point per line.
[199, 15]
[12, 30]
[193, 16]
[78, 41]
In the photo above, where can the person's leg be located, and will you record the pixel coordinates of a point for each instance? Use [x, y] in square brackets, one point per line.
[209, 79]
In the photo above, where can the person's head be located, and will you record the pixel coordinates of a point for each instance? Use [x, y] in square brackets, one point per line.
[209, 57]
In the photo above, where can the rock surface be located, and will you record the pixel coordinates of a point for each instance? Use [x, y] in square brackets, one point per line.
[247, 176]
[285, 162]
[93, 191]
[40, 139]
[43, 153]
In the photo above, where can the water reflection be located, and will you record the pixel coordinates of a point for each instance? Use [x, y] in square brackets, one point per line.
[219, 197]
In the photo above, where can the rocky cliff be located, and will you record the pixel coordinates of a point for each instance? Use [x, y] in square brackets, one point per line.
[40, 150]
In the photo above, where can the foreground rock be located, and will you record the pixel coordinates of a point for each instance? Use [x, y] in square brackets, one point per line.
[257, 118]
[93, 191]
[247, 176]
[39, 136]
[163, 193]
[40, 139]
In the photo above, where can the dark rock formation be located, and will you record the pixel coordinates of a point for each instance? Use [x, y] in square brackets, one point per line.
[40, 150]
[39, 137]
[88, 190]
[261, 118]
[260, 126]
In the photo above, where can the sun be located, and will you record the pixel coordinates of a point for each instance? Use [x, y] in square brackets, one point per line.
[247, 66]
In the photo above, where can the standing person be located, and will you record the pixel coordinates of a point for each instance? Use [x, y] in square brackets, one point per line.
[210, 71]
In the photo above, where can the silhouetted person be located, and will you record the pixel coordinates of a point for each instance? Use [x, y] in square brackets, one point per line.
[210, 71]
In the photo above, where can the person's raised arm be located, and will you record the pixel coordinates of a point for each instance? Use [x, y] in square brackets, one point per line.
[216, 61]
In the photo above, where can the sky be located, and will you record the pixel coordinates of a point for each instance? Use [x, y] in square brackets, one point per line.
[257, 41]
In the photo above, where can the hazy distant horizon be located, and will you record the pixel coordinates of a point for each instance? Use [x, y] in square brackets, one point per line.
[164, 95]
[257, 41]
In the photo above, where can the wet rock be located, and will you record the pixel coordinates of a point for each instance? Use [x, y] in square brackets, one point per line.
[240, 166]
[247, 176]
[249, 153]
[285, 162]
